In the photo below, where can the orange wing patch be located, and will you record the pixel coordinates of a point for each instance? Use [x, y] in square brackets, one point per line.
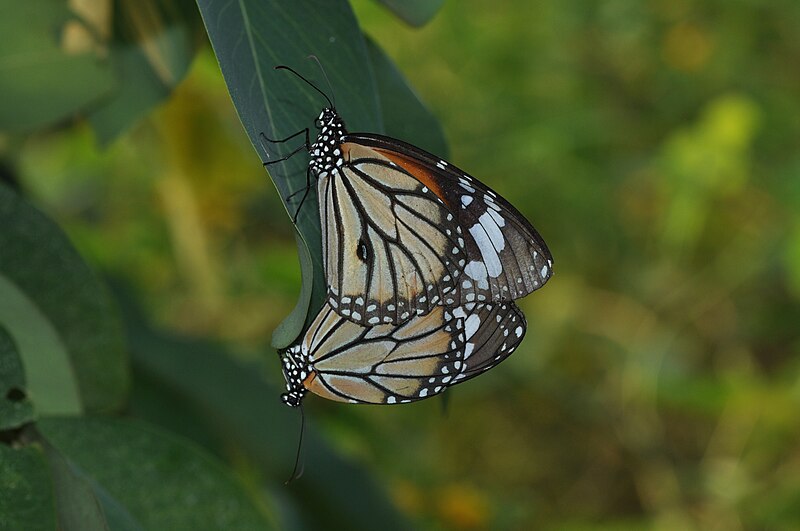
[416, 169]
[419, 171]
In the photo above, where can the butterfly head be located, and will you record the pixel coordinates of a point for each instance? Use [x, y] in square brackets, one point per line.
[295, 370]
[327, 118]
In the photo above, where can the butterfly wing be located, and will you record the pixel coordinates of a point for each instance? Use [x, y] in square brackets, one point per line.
[492, 332]
[391, 248]
[388, 364]
[506, 257]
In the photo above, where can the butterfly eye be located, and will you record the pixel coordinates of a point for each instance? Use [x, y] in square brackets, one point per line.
[319, 123]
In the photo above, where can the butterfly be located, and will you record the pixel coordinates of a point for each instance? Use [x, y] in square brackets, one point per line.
[404, 232]
[393, 364]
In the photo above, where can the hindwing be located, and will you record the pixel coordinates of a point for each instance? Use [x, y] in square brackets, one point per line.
[388, 364]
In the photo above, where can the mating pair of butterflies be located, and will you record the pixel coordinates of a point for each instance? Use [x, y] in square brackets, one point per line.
[423, 263]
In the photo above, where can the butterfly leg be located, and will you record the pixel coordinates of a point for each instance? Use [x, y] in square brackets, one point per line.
[305, 195]
[305, 145]
[271, 141]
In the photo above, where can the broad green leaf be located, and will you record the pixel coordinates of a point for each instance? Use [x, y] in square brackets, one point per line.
[152, 47]
[285, 333]
[77, 508]
[415, 12]
[405, 117]
[59, 316]
[246, 413]
[164, 481]
[117, 516]
[250, 38]
[26, 497]
[41, 82]
[15, 406]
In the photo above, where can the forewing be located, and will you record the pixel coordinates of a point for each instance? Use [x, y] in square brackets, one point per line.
[506, 257]
[392, 248]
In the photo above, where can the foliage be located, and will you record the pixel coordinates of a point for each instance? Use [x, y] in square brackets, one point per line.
[652, 143]
[62, 357]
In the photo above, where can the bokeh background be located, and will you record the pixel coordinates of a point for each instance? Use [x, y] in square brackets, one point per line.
[654, 144]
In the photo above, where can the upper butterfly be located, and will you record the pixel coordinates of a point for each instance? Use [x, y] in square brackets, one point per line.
[404, 231]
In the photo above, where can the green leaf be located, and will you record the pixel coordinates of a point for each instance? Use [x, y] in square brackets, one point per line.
[77, 507]
[286, 332]
[250, 38]
[162, 480]
[26, 497]
[59, 316]
[153, 45]
[246, 413]
[415, 12]
[15, 406]
[405, 117]
[40, 82]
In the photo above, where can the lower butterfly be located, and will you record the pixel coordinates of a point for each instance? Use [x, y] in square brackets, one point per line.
[389, 364]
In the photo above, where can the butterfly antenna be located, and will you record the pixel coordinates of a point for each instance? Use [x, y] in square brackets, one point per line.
[295, 473]
[325, 74]
[309, 83]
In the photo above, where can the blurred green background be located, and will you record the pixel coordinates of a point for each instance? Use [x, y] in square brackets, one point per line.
[656, 147]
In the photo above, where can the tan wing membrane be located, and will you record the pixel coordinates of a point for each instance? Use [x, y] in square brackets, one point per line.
[391, 247]
[388, 364]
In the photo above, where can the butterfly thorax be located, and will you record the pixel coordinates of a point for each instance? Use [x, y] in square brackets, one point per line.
[326, 151]
[296, 369]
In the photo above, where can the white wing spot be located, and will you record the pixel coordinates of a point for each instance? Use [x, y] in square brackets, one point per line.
[477, 271]
[490, 257]
[468, 348]
[497, 218]
[492, 228]
[471, 325]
